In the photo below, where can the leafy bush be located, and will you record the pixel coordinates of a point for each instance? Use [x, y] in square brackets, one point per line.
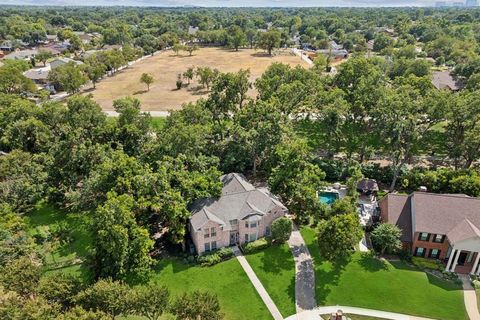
[225, 253]
[281, 230]
[209, 259]
[215, 257]
[476, 284]
[427, 263]
[257, 245]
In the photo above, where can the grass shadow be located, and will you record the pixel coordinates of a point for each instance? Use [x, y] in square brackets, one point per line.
[261, 55]
[139, 92]
[372, 264]
[275, 260]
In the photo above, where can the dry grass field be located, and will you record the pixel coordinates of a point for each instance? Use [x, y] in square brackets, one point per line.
[165, 68]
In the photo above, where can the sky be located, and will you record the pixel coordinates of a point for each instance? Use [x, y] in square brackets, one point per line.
[229, 3]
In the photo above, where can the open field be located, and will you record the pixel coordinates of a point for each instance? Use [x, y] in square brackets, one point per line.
[388, 286]
[165, 68]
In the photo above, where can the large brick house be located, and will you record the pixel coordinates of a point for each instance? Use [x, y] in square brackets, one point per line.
[438, 226]
[243, 213]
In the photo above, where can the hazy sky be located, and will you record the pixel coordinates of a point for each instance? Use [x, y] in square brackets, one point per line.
[229, 3]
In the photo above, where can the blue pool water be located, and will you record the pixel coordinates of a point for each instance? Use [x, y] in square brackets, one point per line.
[328, 197]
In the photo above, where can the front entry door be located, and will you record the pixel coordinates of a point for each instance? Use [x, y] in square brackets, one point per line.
[233, 238]
[462, 258]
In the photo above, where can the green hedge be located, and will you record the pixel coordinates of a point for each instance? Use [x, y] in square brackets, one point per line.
[427, 263]
[257, 245]
[215, 257]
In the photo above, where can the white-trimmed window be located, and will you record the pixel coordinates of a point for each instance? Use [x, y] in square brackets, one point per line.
[434, 253]
[246, 237]
[252, 236]
[233, 222]
[206, 233]
[246, 224]
[214, 245]
[419, 252]
[424, 236]
[207, 247]
[438, 238]
[213, 232]
[253, 224]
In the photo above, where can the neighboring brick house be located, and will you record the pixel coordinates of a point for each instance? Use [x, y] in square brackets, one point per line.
[242, 214]
[438, 226]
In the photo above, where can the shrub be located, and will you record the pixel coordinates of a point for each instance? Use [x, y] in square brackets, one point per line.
[257, 245]
[209, 259]
[281, 230]
[225, 253]
[427, 263]
[179, 84]
[215, 257]
[476, 284]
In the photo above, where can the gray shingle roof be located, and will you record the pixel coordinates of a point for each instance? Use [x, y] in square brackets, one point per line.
[440, 213]
[444, 80]
[399, 213]
[239, 200]
[454, 215]
[463, 231]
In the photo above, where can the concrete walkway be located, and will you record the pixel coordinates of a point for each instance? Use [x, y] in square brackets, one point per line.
[303, 56]
[152, 113]
[469, 298]
[315, 314]
[304, 273]
[258, 285]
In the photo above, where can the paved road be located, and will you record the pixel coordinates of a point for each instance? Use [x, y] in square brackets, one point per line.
[258, 285]
[304, 273]
[315, 314]
[152, 113]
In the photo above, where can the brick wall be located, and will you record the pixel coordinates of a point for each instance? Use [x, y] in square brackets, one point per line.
[443, 247]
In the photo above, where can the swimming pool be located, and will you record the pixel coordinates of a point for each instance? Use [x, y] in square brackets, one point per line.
[328, 197]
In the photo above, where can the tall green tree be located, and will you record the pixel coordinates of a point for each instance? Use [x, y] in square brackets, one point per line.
[386, 237]
[269, 40]
[338, 236]
[197, 305]
[121, 246]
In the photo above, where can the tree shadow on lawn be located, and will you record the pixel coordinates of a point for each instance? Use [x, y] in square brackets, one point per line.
[197, 90]
[261, 55]
[327, 274]
[275, 259]
[139, 92]
[372, 264]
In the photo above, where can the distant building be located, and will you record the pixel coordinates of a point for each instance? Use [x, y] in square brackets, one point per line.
[38, 75]
[192, 30]
[22, 54]
[471, 3]
[444, 80]
[63, 61]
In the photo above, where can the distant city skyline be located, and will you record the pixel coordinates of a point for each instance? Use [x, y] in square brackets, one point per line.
[245, 3]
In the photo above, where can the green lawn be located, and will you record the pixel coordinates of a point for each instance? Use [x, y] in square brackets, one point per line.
[390, 286]
[275, 268]
[44, 220]
[237, 296]
[158, 122]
